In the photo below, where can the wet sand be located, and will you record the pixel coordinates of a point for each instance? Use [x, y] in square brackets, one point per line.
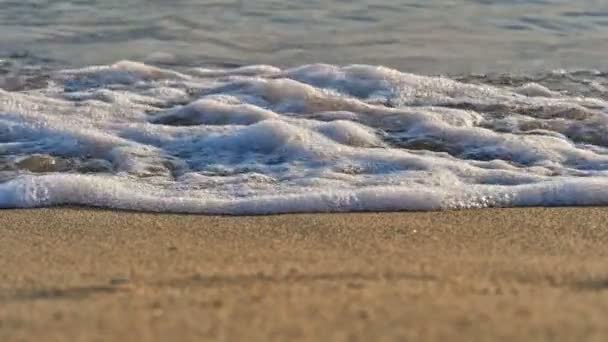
[479, 275]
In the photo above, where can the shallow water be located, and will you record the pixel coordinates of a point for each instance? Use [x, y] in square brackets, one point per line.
[232, 112]
[422, 36]
[261, 139]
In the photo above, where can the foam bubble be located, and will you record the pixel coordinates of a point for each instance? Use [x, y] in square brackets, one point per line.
[213, 112]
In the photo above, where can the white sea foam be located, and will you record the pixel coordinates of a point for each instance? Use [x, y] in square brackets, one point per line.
[259, 139]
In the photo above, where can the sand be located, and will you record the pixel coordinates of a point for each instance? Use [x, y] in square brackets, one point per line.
[479, 275]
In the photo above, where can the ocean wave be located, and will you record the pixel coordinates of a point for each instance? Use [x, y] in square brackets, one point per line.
[316, 138]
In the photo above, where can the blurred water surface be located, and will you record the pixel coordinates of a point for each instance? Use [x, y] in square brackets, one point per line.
[427, 36]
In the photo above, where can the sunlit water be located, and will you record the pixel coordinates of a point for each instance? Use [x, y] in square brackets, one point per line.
[256, 107]
[423, 36]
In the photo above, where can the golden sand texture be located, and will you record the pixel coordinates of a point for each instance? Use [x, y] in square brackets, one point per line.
[480, 275]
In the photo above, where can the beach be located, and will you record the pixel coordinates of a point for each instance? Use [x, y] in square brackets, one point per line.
[265, 170]
[474, 275]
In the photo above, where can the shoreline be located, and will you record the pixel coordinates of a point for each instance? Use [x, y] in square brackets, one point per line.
[483, 274]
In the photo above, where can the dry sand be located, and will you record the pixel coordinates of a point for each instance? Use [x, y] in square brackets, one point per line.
[482, 275]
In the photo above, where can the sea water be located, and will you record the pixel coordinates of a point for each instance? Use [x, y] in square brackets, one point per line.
[422, 36]
[213, 111]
